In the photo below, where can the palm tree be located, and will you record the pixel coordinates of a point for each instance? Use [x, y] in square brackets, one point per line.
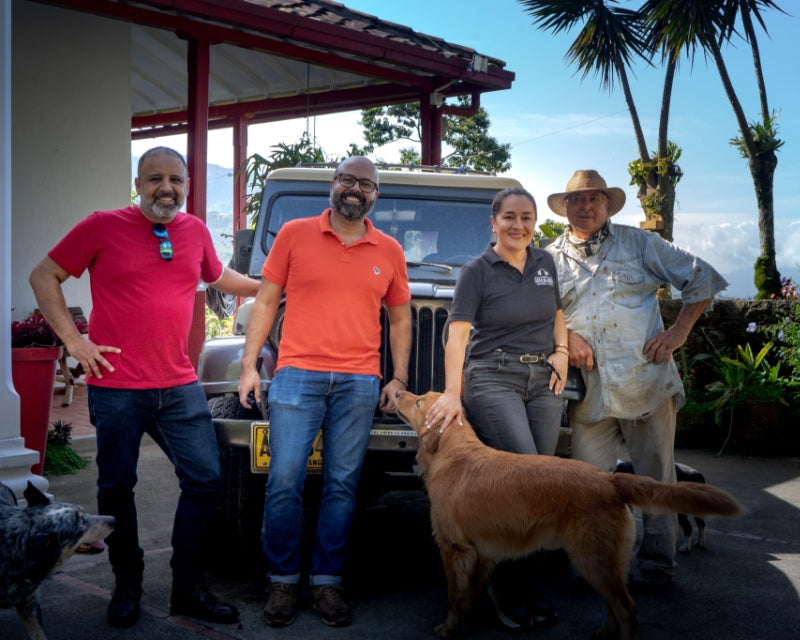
[608, 42]
[686, 25]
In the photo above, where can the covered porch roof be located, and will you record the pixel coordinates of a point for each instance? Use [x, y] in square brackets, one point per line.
[276, 59]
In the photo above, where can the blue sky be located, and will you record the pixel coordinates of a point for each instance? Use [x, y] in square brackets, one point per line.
[557, 123]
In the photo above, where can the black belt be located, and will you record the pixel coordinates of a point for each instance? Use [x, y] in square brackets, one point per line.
[524, 358]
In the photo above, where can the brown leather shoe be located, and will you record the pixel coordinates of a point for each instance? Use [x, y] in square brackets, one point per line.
[124, 608]
[281, 604]
[330, 605]
[198, 602]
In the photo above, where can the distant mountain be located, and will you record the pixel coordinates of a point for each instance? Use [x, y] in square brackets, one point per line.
[219, 206]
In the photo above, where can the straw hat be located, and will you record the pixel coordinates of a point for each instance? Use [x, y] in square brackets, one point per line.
[587, 180]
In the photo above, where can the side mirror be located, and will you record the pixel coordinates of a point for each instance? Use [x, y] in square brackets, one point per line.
[242, 250]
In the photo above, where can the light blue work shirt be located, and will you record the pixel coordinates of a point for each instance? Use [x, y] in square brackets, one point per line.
[609, 299]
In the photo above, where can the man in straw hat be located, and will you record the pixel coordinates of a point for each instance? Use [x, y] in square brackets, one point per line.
[608, 276]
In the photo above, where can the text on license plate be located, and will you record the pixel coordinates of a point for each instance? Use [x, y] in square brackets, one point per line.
[260, 452]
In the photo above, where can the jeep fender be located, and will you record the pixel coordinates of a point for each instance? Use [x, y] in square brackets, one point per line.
[220, 365]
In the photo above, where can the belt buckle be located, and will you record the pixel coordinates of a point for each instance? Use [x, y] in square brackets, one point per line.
[528, 358]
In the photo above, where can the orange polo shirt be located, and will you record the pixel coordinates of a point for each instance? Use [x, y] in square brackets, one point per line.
[334, 294]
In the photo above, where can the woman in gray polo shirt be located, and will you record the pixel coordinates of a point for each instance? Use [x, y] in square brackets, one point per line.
[507, 334]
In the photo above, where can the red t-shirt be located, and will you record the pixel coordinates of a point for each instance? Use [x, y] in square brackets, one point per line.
[141, 303]
[334, 294]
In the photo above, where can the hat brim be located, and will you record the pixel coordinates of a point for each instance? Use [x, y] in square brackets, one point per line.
[558, 203]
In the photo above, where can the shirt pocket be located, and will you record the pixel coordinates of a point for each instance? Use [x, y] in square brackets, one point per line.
[627, 286]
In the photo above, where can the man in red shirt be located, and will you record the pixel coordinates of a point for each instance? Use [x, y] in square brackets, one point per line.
[144, 264]
[335, 271]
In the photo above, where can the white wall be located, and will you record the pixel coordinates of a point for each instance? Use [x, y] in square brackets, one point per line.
[70, 133]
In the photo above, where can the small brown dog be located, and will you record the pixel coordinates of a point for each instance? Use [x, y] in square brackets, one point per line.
[489, 505]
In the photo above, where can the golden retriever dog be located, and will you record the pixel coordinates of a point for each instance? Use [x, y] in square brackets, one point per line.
[489, 505]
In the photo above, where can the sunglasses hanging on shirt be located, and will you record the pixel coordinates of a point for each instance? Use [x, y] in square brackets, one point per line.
[165, 248]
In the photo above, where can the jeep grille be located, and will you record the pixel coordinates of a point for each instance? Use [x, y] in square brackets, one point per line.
[426, 365]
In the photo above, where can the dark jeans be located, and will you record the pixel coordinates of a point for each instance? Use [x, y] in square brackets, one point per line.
[511, 408]
[510, 405]
[178, 419]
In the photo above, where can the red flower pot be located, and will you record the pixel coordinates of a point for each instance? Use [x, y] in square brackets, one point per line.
[33, 371]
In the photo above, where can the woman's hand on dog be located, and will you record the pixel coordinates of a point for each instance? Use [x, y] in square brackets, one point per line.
[442, 412]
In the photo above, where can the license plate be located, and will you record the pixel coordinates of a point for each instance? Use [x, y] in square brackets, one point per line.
[260, 452]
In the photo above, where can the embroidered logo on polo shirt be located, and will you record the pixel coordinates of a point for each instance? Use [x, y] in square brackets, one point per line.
[376, 271]
[543, 278]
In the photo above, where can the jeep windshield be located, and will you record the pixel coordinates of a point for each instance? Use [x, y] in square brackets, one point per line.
[432, 232]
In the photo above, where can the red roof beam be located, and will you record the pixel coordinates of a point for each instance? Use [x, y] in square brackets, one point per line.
[273, 110]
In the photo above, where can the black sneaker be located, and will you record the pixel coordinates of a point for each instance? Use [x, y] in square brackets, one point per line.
[537, 612]
[645, 581]
[125, 605]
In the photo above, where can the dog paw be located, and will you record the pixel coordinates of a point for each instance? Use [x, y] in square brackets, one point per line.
[443, 631]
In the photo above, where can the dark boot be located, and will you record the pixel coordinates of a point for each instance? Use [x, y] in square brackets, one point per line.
[124, 608]
[197, 601]
[125, 605]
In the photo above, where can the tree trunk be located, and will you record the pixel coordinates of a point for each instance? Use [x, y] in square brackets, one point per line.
[767, 278]
[750, 36]
[667, 206]
[637, 125]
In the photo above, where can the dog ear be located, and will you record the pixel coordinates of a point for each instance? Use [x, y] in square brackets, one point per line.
[34, 497]
[431, 441]
[433, 436]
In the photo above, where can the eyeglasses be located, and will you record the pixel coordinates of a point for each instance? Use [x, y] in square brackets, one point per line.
[347, 180]
[165, 248]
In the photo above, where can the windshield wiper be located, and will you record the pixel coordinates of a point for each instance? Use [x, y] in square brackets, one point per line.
[447, 268]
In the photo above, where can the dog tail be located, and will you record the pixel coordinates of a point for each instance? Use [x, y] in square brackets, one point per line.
[684, 497]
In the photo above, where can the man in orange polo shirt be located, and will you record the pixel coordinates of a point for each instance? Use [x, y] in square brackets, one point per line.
[335, 271]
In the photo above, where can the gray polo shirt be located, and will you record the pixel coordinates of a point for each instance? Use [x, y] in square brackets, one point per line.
[508, 310]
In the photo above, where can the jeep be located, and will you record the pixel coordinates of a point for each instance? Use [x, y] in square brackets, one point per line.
[441, 219]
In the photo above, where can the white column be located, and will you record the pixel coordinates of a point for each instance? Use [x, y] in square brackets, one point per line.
[15, 459]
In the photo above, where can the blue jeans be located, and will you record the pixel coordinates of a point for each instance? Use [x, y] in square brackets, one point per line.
[300, 402]
[178, 419]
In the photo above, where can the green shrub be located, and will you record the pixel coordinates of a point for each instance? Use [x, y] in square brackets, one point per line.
[60, 458]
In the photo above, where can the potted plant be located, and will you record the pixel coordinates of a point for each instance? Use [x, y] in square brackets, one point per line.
[751, 393]
[35, 351]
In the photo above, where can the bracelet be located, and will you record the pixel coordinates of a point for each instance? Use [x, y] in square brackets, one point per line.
[562, 345]
[561, 350]
[401, 381]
